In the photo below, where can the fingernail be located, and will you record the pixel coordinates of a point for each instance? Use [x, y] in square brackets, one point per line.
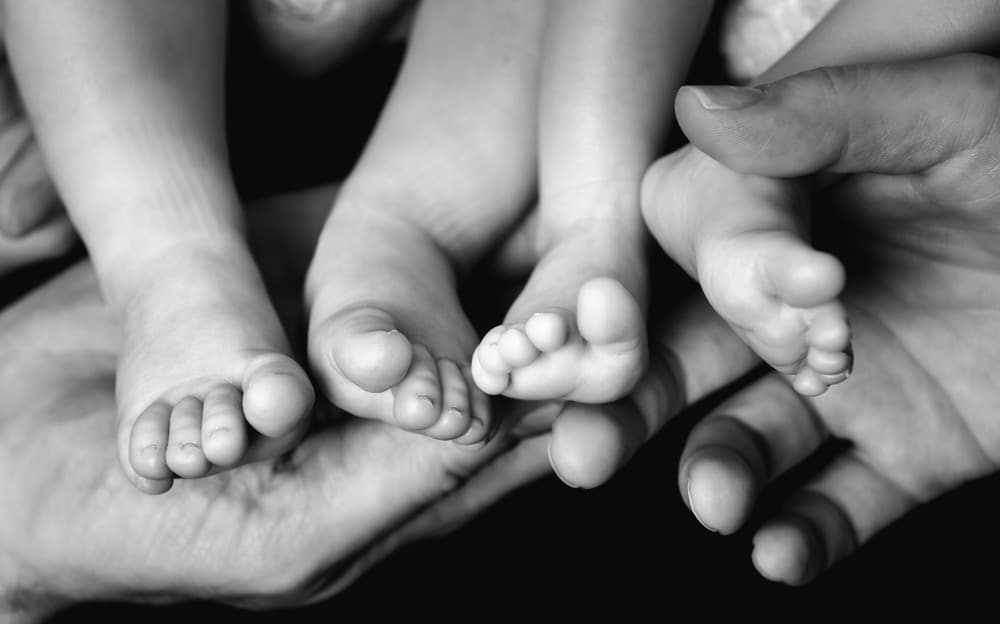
[726, 97]
[555, 470]
[694, 509]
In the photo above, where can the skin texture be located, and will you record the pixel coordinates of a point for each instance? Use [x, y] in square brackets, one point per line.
[131, 125]
[90, 458]
[447, 172]
[226, 538]
[360, 488]
[576, 331]
[917, 214]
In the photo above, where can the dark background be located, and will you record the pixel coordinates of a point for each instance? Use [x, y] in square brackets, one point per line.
[630, 547]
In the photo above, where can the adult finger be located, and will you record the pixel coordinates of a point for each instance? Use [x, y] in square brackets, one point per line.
[692, 354]
[518, 466]
[827, 520]
[755, 437]
[746, 442]
[880, 118]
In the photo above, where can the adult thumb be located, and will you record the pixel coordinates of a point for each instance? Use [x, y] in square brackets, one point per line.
[883, 118]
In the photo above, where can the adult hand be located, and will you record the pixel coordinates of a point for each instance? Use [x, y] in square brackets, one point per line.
[273, 533]
[282, 532]
[917, 221]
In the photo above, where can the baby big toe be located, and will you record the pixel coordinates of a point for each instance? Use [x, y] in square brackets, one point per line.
[364, 346]
[803, 277]
[490, 370]
[608, 314]
[277, 395]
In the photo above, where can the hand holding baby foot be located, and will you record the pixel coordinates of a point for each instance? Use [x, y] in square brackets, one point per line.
[916, 220]
[138, 152]
[278, 533]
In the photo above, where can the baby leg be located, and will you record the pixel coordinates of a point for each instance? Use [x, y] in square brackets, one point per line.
[609, 70]
[127, 106]
[448, 170]
[740, 236]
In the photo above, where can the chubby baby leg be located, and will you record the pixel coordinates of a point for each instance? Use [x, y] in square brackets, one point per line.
[448, 170]
[609, 70]
[126, 104]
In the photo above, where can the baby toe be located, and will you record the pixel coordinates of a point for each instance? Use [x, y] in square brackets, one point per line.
[516, 348]
[184, 455]
[277, 394]
[418, 397]
[223, 427]
[487, 381]
[809, 383]
[148, 442]
[828, 362]
[829, 331]
[548, 331]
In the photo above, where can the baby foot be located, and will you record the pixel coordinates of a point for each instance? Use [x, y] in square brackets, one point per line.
[780, 296]
[575, 332]
[740, 237]
[388, 338]
[203, 357]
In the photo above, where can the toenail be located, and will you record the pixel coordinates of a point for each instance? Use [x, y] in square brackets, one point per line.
[455, 411]
[219, 430]
[427, 399]
[150, 448]
[185, 445]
